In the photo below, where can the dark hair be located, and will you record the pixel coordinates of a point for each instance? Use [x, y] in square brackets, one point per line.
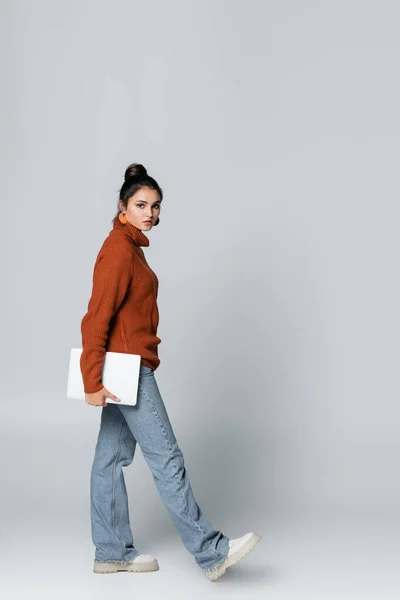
[136, 177]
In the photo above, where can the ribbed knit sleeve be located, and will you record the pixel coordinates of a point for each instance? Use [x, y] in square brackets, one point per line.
[112, 276]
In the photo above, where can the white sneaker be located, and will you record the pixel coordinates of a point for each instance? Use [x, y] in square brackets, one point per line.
[142, 563]
[238, 548]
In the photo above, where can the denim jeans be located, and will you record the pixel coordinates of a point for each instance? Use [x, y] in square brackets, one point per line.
[148, 424]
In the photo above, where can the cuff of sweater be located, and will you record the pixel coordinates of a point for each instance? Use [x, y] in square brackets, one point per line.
[93, 388]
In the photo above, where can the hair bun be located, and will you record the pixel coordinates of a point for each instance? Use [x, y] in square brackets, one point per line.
[135, 170]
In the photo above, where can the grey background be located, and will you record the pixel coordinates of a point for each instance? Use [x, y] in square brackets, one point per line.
[273, 129]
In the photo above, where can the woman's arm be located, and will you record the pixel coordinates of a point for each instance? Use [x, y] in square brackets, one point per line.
[112, 276]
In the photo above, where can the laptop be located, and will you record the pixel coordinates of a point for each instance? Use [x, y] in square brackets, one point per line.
[120, 376]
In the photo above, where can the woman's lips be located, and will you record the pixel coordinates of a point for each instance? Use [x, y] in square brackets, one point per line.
[147, 221]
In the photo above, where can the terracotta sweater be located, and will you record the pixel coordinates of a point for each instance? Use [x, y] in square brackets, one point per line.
[122, 314]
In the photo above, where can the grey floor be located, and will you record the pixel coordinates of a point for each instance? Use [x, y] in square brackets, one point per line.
[306, 553]
[314, 559]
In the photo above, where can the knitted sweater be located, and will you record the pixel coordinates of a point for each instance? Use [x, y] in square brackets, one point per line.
[122, 314]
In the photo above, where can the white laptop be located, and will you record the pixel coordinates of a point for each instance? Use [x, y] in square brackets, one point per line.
[120, 376]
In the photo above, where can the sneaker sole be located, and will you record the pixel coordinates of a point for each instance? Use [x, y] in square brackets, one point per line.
[115, 567]
[233, 560]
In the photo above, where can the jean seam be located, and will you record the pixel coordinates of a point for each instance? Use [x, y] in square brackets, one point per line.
[113, 486]
[176, 471]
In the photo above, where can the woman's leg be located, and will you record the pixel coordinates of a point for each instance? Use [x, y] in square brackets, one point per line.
[111, 532]
[150, 425]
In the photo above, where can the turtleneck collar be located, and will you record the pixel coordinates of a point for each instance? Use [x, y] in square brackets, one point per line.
[136, 235]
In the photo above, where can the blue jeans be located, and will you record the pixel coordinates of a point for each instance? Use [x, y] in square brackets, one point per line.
[147, 423]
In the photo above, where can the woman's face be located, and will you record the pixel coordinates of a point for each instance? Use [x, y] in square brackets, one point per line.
[143, 208]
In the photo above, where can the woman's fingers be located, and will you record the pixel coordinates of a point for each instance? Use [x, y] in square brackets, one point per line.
[99, 398]
[110, 395]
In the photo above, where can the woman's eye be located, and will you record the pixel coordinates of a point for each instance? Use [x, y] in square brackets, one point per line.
[141, 205]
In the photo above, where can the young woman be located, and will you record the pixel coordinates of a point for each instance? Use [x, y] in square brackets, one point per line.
[122, 316]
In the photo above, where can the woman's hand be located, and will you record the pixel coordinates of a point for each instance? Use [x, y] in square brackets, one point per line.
[98, 398]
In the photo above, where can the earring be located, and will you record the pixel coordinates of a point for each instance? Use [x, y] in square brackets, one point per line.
[122, 217]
